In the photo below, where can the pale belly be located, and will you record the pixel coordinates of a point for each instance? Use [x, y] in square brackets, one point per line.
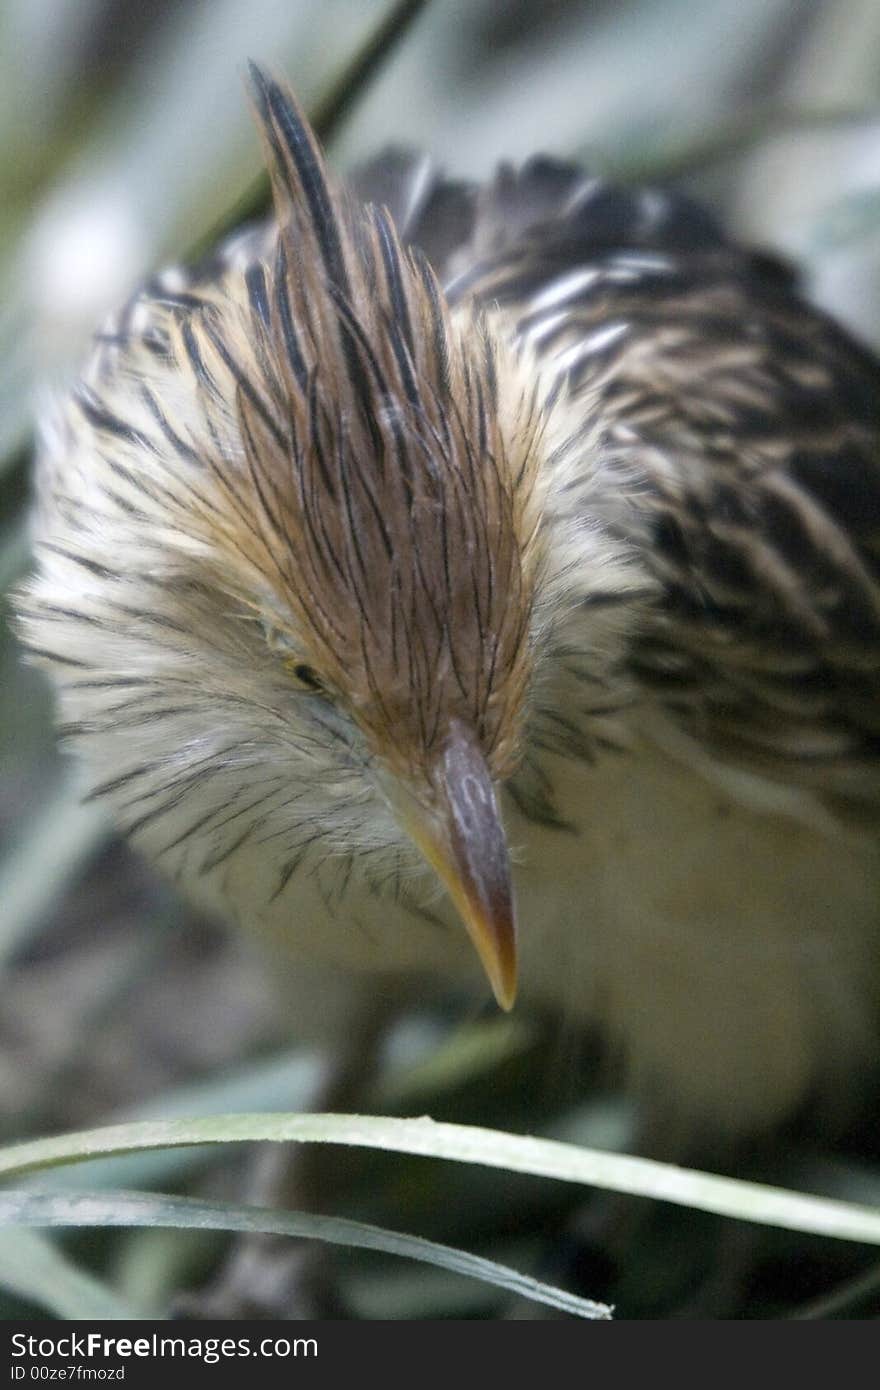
[730, 954]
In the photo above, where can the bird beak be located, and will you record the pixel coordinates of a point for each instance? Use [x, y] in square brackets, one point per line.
[461, 836]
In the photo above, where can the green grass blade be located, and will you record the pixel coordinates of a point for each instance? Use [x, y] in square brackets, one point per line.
[328, 114]
[33, 874]
[32, 1268]
[335, 105]
[148, 1209]
[642, 1177]
[15, 552]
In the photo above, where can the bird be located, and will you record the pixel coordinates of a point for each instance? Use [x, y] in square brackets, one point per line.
[477, 586]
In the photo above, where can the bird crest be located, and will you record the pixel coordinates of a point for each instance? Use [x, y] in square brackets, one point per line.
[392, 471]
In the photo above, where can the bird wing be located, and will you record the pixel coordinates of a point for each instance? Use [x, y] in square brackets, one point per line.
[754, 424]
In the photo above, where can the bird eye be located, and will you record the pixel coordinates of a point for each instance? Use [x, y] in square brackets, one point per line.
[306, 676]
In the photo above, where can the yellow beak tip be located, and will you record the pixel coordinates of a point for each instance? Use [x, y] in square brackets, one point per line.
[505, 995]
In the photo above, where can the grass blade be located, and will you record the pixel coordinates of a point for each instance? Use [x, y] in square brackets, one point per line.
[549, 1158]
[32, 876]
[327, 116]
[148, 1209]
[32, 1268]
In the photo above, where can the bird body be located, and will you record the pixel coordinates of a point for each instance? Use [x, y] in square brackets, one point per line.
[549, 572]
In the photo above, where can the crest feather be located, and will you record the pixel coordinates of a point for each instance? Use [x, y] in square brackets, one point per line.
[398, 511]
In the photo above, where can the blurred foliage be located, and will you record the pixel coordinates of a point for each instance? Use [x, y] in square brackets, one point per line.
[125, 138]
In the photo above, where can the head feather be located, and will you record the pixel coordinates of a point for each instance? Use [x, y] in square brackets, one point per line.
[392, 478]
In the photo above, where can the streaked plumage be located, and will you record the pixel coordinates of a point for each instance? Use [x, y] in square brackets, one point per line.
[330, 548]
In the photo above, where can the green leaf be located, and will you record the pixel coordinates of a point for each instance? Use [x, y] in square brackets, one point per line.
[32, 1268]
[642, 1177]
[15, 552]
[148, 1209]
[33, 874]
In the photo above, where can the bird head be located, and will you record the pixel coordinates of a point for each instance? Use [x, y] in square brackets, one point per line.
[292, 551]
[384, 526]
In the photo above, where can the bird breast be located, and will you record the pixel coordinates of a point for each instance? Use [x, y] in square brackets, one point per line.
[723, 942]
